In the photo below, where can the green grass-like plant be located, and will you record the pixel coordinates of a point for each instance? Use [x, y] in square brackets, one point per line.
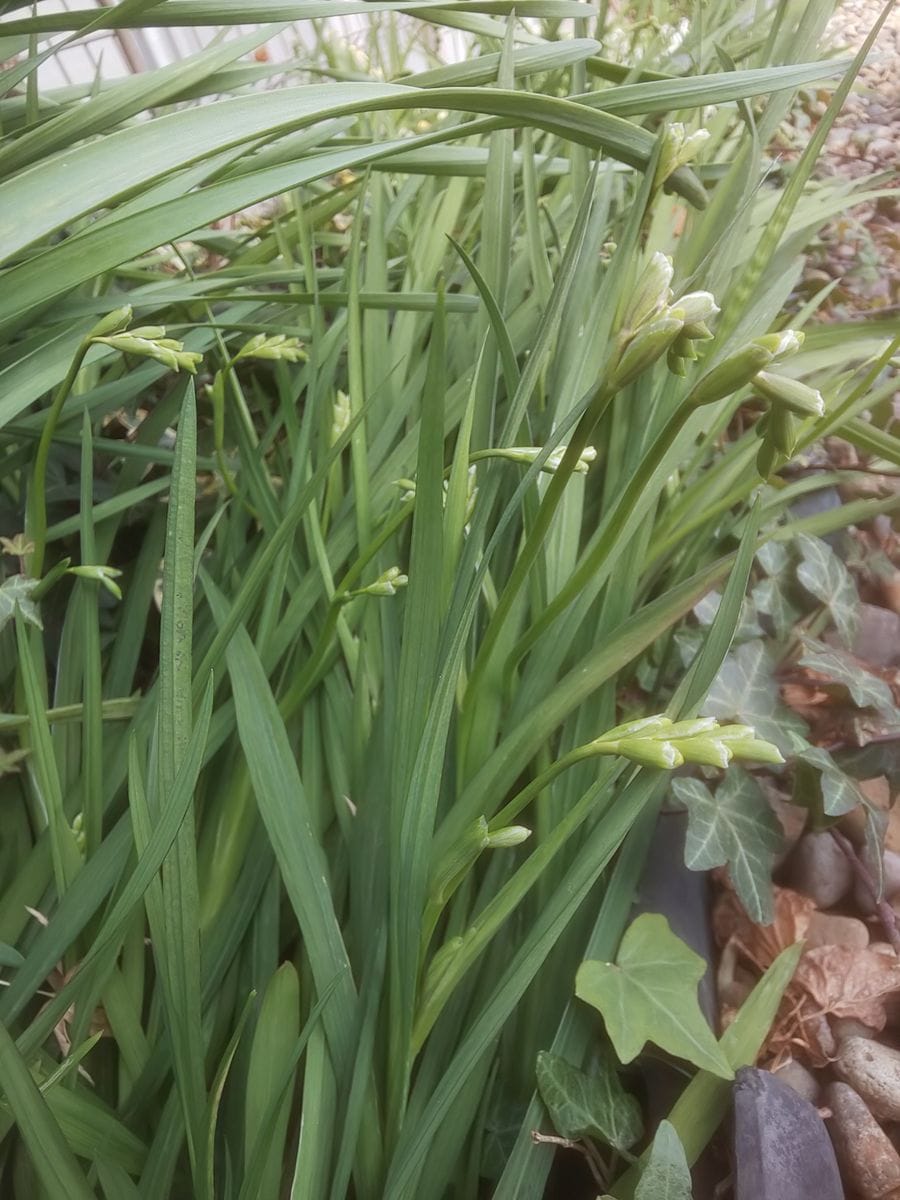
[337, 537]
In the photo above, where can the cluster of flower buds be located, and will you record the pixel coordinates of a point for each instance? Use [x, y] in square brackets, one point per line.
[409, 488]
[661, 742]
[678, 149]
[273, 348]
[527, 455]
[147, 341]
[654, 323]
[789, 400]
[385, 585]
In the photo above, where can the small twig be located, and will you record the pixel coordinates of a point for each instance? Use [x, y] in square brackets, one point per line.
[594, 1162]
[886, 914]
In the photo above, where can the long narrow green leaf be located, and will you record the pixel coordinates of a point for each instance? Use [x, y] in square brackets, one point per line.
[181, 945]
[51, 1157]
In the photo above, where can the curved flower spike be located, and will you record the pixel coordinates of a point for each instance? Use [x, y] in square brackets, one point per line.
[659, 742]
[385, 585]
[149, 341]
[274, 348]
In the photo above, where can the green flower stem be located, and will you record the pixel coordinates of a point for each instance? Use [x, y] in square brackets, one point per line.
[491, 919]
[531, 791]
[318, 660]
[610, 538]
[506, 816]
[545, 514]
[121, 708]
[36, 508]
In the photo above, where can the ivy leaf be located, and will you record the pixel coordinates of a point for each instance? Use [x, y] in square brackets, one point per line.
[769, 598]
[737, 827]
[650, 995]
[772, 557]
[582, 1105]
[877, 758]
[745, 689]
[666, 1175]
[824, 575]
[866, 690]
[15, 591]
[840, 793]
[837, 793]
[748, 627]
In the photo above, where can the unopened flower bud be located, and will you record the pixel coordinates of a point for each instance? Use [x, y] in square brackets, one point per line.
[113, 322]
[781, 431]
[150, 333]
[697, 331]
[768, 459]
[648, 344]
[735, 733]
[692, 727]
[783, 344]
[695, 306]
[646, 726]
[731, 375]
[754, 749]
[678, 149]
[684, 347]
[582, 463]
[796, 395]
[705, 751]
[651, 293]
[510, 835]
[650, 753]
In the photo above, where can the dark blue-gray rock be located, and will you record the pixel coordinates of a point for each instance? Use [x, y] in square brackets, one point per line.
[819, 869]
[781, 1146]
[682, 896]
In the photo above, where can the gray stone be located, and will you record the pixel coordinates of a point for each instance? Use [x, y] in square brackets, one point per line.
[826, 929]
[819, 869]
[863, 1148]
[781, 1146]
[878, 637]
[796, 1076]
[847, 1027]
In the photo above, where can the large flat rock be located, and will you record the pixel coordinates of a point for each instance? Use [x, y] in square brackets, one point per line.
[782, 1150]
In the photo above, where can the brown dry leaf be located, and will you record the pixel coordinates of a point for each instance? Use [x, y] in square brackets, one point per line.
[830, 981]
[837, 981]
[848, 982]
[761, 944]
